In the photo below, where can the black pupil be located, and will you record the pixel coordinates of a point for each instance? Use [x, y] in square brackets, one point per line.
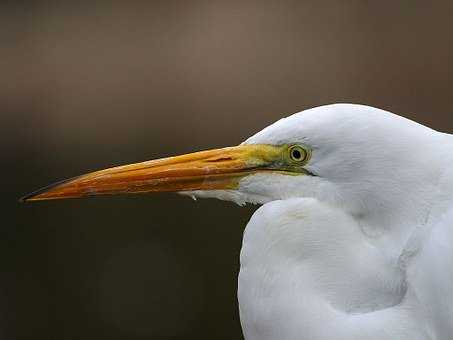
[297, 154]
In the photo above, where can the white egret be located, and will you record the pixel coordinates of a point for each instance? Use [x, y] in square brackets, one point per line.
[354, 239]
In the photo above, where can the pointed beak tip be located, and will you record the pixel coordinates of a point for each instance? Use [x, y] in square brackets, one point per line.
[44, 193]
[32, 197]
[28, 198]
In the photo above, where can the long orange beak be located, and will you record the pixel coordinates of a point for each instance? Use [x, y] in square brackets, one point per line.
[206, 170]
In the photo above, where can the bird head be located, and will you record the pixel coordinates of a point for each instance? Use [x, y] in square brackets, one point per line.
[350, 155]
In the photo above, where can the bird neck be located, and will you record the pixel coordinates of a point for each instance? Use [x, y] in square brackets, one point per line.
[302, 246]
[401, 215]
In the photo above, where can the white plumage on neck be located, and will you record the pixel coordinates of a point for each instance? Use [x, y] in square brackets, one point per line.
[307, 272]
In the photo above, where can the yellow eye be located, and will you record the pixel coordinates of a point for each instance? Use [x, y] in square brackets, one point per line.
[298, 154]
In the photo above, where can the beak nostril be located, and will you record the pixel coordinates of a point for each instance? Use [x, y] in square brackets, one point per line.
[222, 159]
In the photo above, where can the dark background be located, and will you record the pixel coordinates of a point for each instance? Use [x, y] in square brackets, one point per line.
[91, 84]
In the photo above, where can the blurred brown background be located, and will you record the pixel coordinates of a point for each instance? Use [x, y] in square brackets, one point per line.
[90, 84]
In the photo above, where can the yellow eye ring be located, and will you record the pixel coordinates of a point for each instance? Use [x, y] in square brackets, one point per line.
[298, 154]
